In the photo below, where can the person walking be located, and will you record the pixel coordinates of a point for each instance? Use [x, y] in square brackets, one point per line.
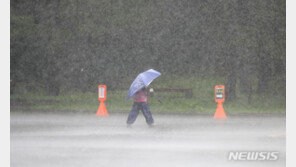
[140, 103]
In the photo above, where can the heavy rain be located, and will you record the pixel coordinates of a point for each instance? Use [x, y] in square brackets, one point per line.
[147, 83]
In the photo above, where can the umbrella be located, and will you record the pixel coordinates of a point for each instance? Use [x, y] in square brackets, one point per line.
[141, 81]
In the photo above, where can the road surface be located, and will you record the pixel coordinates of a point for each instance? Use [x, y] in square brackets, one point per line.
[82, 139]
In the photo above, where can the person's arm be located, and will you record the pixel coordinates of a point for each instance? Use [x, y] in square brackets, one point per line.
[151, 91]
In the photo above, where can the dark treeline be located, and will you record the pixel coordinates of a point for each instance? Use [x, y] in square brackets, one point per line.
[72, 45]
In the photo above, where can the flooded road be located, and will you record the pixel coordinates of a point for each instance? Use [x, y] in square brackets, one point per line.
[82, 139]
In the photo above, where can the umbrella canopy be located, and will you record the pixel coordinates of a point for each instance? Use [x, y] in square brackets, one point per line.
[141, 81]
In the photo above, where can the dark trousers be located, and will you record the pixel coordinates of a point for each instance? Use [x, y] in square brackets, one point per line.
[144, 107]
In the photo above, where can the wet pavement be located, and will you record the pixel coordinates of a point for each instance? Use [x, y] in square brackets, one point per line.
[82, 139]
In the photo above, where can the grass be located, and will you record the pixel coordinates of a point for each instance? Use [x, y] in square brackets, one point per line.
[201, 102]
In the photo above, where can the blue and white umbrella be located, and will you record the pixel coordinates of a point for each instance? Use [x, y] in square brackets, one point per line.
[142, 80]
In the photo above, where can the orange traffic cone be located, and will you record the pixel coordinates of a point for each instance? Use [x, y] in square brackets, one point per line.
[220, 113]
[102, 111]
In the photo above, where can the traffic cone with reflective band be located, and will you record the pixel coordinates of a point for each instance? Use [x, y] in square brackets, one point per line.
[220, 113]
[102, 111]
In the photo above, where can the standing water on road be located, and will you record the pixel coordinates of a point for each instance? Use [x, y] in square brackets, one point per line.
[72, 139]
